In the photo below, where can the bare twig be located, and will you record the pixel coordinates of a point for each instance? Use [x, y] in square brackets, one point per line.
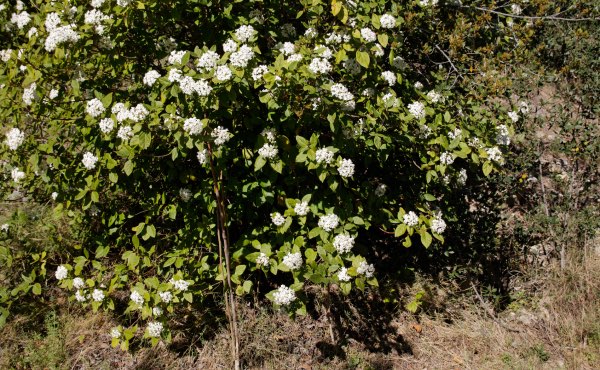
[490, 312]
[553, 17]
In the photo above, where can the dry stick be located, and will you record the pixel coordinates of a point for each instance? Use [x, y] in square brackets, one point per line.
[490, 312]
[223, 242]
[546, 17]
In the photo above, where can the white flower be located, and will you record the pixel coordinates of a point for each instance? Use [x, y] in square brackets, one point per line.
[193, 126]
[80, 297]
[387, 21]
[389, 77]
[259, 72]
[456, 134]
[380, 190]
[155, 329]
[4, 228]
[410, 219]
[324, 155]
[447, 158]
[365, 269]
[89, 160]
[516, 9]
[221, 135]
[301, 208]
[241, 57]
[54, 195]
[329, 222]
[270, 134]
[277, 219]
[78, 283]
[98, 295]
[288, 48]
[115, 333]
[32, 32]
[268, 151]
[294, 58]
[495, 154]
[5, 55]
[137, 298]
[418, 85]
[61, 272]
[106, 125]
[262, 260]
[399, 63]
[53, 94]
[319, 66]
[341, 92]
[417, 109]
[174, 75]
[176, 57]
[208, 60]
[244, 33]
[14, 138]
[17, 175]
[150, 77]
[514, 116]
[438, 225]
[462, 177]
[29, 94]
[94, 16]
[346, 168]
[180, 284]
[523, 107]
[369, 92]
[125, 133]
[95, 107]
[157, 311]
[310, 33]
[503, 136]
[202, 156]
[343, 275]
[435, 97]
[20, 19]
[323, 51]
[60, 35]
[138, 113]
[97, 3]
[378, 50]
[185, 194]
[284, 296]
[293, 260]
[368, 35]
[343, 243]
[352, 66]
[230, 46]
[223, 73]
[123, 3]
[166, 296]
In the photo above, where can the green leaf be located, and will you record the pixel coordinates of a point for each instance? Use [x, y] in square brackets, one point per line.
[362, 58]
[259, 163]
[37, 289]
[426, 239]
[487, 168]
[128, 167]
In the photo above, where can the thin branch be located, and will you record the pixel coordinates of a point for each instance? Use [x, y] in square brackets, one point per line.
[553, 17]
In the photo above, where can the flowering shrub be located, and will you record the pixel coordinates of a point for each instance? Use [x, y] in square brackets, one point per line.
[207, 143]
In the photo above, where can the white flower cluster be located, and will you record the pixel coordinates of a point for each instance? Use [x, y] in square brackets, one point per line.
[166, 296]
[435, 97]
[410, 219]
[5, 55]
[80, 296]
[221, 135]
[389, 77]
[230, 46]
[89, 160]
[277, 219]
[268, 151]
[380, 190]
[17, 175]
[136, 297]
[293, 260]
[368, 35]
[462, 177]
[284, 296]
[150, 77]
[241, 57]
[287, 48]
[14, 138]
[270, 134]
[61, 272]
[514, 116]
[29, 94]
[311, 33]
[301, 208]
[390, 100]
[20, 19]
[176, 57]
[180, 284]
[157, 311]
[53, 94]
[323, 51]
[438, 225]
[106, 125]
[174, 75]
[262, 260]
[425, 3]
[259, 72]
[319, 66]
[366, 269]
[193, 126]
[115, 333]
[155, 329]
[189, 86]
[455, 134]
[125, 133]
[329, 222]
[418, 85]
[223, 73]
[58, 35]
[447, 158]
[95, 17]
[208, 61]
[135, 114]
[324, 155]
[523, 107]
[202, 156]
[341, 92]
[95, 107]
[346, 168]
[343, 275]
[185, 194]
[98, 295]
[97, 3]
[4, 228]
[516, 9]
[399, 63]
[78, 283]
[495, 154]
[387, 21]
[503, 136]
[343, 243]
[244, 33]
[417, 109]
